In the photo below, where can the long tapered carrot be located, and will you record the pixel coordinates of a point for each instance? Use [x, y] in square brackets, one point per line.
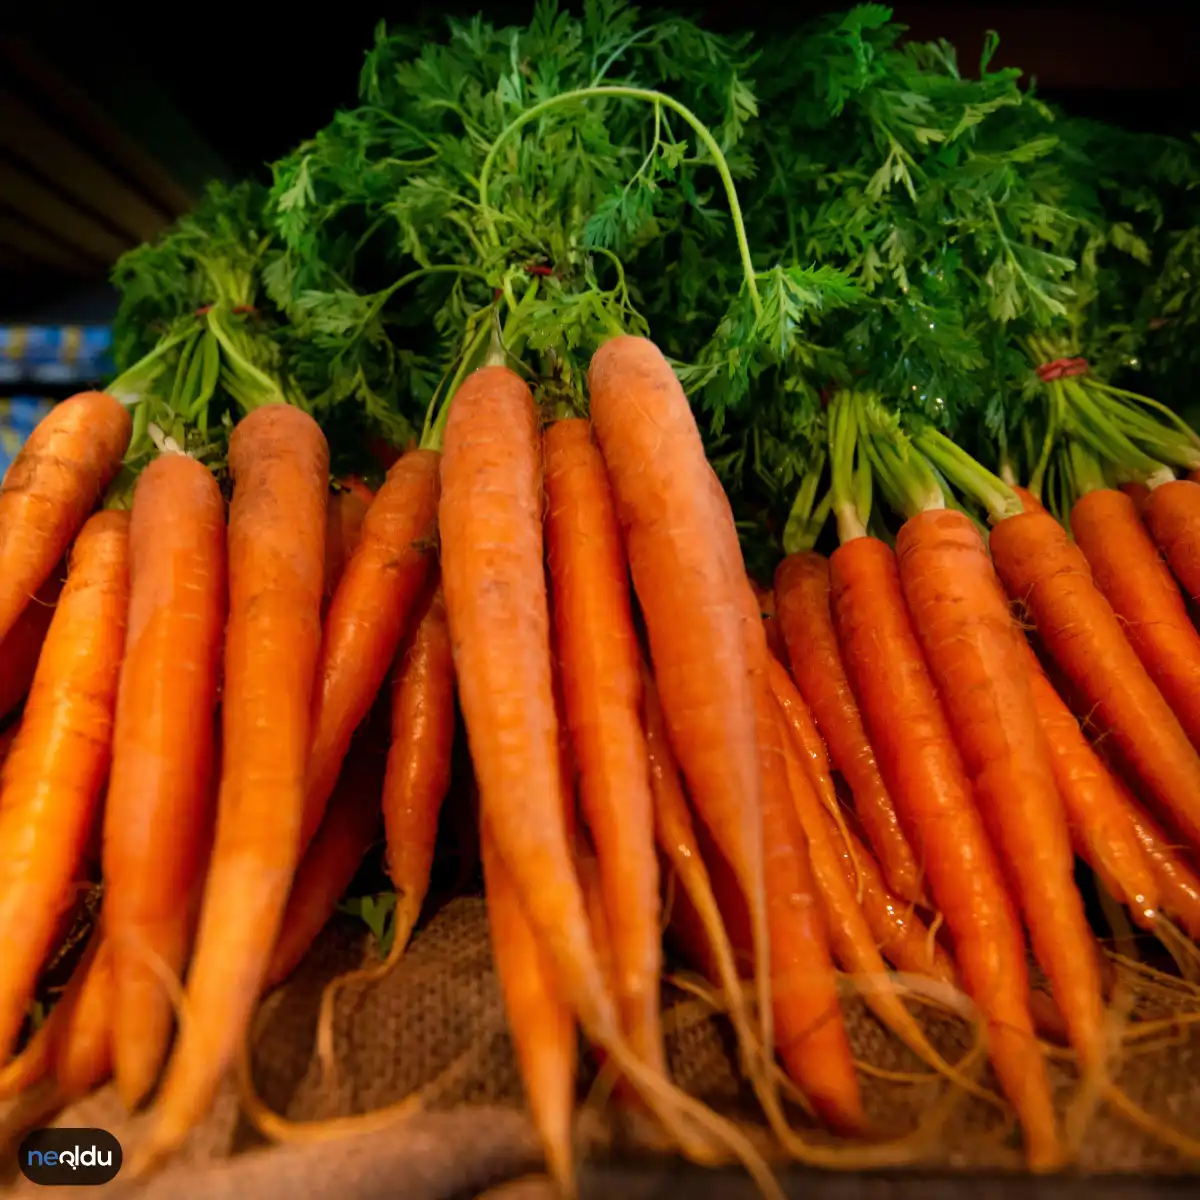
[20, 650]
[368, 616]
[976, 655]
[418, 761]
[350, 827]
[1042, 569]
[1135, 580]
[802, 601]
[656, 463]
[601, 681]
[493, 577]
[158, 811]
[54, 482]
[1172, 514]
[56, 767]
[540, 1019]
[280, 466]
[1100, 826]
[347, 507]
[925, 776]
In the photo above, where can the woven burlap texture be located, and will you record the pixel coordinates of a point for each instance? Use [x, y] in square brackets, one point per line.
[437, 1025]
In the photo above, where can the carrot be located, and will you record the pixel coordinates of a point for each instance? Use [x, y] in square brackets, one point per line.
[1178, 884]
[51, 486]
[20, 650]
[975, 654]
[1097, 816]
[656, 463]
[1172, 514]
[57, 765]
[1042, 569]
[368, 616]
[349, 829]
[75, 1034]
[343, 524]
[1135, 580]
[280, 466]
[158, 813]
[6, 740]
[601, 682]
[418, 762]
[810, 1034]
[925, 776]
[82, 1048]
[494, 579]
[770, 619]
[802, 595]
[540, 1019]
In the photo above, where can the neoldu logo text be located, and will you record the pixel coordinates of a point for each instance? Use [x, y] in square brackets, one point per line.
[70, 1157]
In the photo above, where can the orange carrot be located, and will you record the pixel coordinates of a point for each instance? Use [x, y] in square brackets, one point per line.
[1129, 570]
[540, 1020]
[802, 594]
[690, 598]
[158, 813]
[1043, 570]
[1101, 830]
[351, 826]
[57, 765]
[280, 467]
[1172, 514]
[20, 650]
[82, 1048]
[343, 524]
[601, 681]
[927, 781]
[368, 616]
[809, 1031]
[493, 579]
[75, 1034]
[1178, 883]
[418, 762]
[770, 620]
[975, 653]
[53, 483]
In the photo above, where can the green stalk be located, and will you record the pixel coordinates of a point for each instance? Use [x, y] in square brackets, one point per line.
[904, 476]
[432, 435]
[807, 516]
[1085, 471]
[843, 439]
[656, 98]
[969, 476]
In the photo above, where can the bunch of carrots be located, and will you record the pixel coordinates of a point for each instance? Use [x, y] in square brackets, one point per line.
[219, 707]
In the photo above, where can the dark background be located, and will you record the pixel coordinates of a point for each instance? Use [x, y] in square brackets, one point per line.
[109, 124]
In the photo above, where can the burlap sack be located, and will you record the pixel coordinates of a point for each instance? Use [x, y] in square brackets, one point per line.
[437, 1025]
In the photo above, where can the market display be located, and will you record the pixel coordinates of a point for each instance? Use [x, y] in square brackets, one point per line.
[728, 436]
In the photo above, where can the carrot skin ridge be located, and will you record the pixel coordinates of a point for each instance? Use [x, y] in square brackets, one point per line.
[370, 612]
[601, 683]
[1049, 575]
[802, 590]
[54, 772]
[927, 781]
[158, 813]
[418, 760]
[280, 466]
[50, 488]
